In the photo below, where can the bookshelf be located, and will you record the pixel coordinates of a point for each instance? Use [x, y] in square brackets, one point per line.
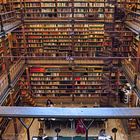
[10, 67]
[134, 48]
[63, 9]
[130, 69]
[133, 24]
[51, 80]
[16, 68]
[1, 59]
[88, 81]
[58, 80]
[65, 36]
[58, 41]
[61, 30]
[58, 35]
[63, 81]
[130, 40]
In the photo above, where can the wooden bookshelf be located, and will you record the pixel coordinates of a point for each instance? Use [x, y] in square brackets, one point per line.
[10, 65]
[55, 39]
[54, 79]
[138, 81]
[63, 29]
[16, 68]
[61, 39]
[70, 33]
[132, 25]
[58, 80]
[1, 59]
[130, 69]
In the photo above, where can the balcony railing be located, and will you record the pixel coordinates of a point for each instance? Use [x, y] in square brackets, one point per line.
[129, 69]
[3, 83]
[138, 81]
[16, 69]
[133, 21]
[9, 21]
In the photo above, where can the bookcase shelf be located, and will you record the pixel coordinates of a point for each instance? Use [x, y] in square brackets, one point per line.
[66, 35]
[66, 80]
[9, 66]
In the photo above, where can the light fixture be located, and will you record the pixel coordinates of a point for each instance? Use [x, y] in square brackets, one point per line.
[129, 58]
[69, 58]
[138, 37]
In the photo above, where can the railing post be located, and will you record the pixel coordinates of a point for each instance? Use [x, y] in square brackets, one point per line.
[27, 127]
[1, 23]
[22, 15]
[135, 80]
[87, 127]
[86, 134]
[14, 119]
[28, 134]
[0, 135]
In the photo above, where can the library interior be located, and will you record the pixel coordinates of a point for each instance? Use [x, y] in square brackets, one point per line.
[69, 69]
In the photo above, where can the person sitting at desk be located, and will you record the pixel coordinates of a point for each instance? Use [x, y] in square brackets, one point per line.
[49, 103]
[103, 136]
[102, 133]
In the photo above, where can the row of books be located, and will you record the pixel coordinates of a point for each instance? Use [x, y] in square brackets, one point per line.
[65, 4]
[58, 0]
[58, 31]
[66, 25]
[87, 76]
[64, 69]
[70, 86]
[65, 15]
[66, 42]
[65, 82]
[37, 92]
[33, 78]
[54, 43]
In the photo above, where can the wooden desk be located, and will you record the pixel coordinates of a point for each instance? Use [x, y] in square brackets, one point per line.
[51, 122]
[70, 138]
[104, 138]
